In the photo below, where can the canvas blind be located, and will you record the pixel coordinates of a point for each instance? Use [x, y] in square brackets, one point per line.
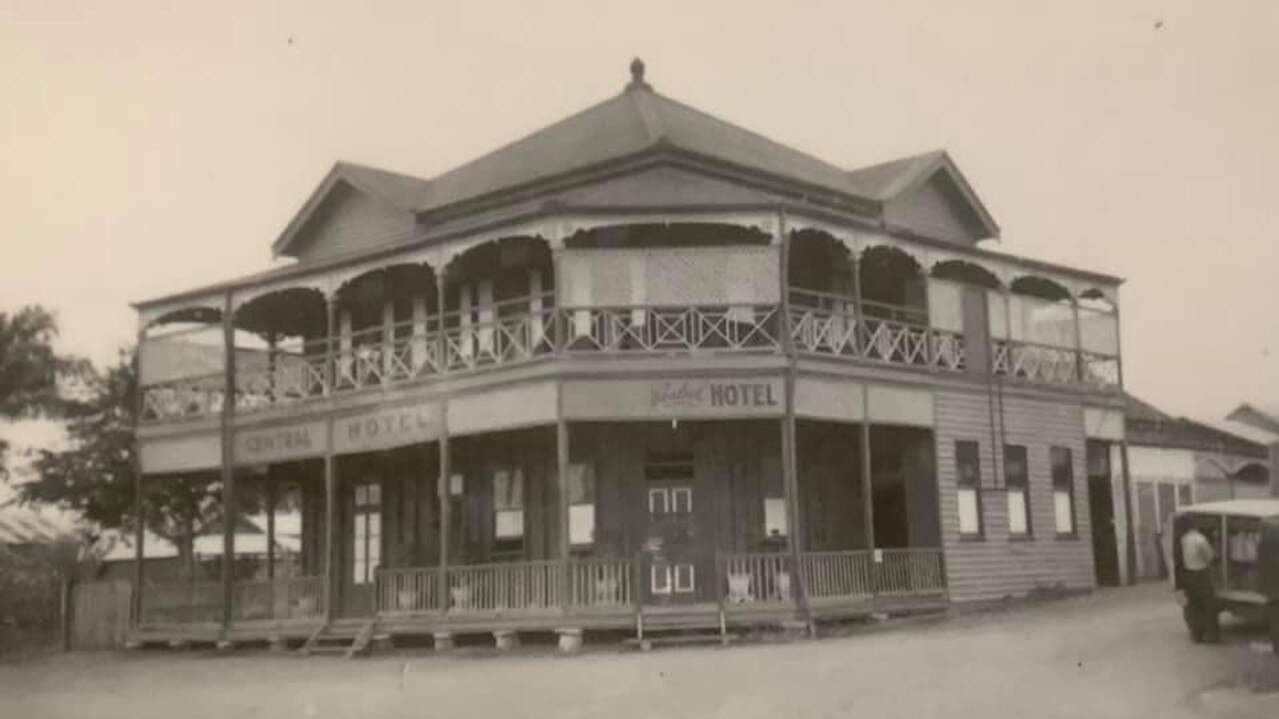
[669, 277]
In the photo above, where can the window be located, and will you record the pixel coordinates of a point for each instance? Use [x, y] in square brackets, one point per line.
[684, 578]
[367, 534]
[1063, 490]
[1017, 484]
[775, 517]
[1184, 496]
[508, 505]
[968, 469]
[581, 503]
[660, 579]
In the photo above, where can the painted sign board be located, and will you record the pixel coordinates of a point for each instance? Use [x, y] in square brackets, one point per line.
[760, 396]
[385, 428]
[281, 443]
[185, 453]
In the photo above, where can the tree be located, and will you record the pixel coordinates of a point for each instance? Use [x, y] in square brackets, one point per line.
[31, 372]
[95, 474]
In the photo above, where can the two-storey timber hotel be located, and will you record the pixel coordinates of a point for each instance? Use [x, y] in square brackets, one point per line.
[640, 369]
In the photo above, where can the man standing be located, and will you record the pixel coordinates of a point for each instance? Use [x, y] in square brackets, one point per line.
[1201, 611]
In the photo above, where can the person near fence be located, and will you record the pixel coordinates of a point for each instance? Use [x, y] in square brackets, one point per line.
[1197, 557]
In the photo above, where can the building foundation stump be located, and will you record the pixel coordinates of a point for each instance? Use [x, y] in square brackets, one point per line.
[505, 639]
[570, 639]
[443, 641]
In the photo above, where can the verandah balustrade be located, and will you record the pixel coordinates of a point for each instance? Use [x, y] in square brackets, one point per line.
[534, 588]
[512, 333]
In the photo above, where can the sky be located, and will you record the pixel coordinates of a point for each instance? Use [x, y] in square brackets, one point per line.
[150, 147]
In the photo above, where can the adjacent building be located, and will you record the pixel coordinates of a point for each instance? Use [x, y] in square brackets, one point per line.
[641, 368]
[1173, 462]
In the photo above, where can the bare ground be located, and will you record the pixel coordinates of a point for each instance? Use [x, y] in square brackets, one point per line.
[1116, 653]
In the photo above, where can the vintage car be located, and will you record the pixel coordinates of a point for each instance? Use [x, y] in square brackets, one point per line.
[1245, 535]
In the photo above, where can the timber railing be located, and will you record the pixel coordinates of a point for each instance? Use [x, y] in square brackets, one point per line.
[755, 580]
[530, 328]
[279, 598]
[181, 603]
[583, 587]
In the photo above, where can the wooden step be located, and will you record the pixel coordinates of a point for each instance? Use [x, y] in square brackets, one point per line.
[671, 640]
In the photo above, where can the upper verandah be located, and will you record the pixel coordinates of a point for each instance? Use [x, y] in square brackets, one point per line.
[643, 153]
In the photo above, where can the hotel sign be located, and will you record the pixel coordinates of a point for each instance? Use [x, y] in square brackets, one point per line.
[279, 444]
[710, 394]
[693, 397]
[385, 428]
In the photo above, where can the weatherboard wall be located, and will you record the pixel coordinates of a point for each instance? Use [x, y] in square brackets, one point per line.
[995, 564]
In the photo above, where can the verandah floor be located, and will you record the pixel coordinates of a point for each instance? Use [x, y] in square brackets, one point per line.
[651, 618]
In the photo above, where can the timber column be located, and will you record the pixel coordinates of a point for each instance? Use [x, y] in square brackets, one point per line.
[139, 487]
[228, 469]
[790, 481]
[443, 641]
[863, 431]
[330, 481]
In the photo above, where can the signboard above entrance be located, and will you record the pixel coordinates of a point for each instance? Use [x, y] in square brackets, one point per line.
[280, 444]
[386, 428]
[690, 397]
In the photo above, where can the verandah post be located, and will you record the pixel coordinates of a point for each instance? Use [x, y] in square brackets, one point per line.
[139, 529]
[442, 482]
[561, 463]
[228, 464]
[790, 483]
[330, 482]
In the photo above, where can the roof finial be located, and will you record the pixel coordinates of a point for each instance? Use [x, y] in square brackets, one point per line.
[637, 75]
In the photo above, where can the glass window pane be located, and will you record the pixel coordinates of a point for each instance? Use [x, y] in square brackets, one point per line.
[375, 493]
[517, 489]
[685, 580]
[1061, 467]
[967, 463]
[1017, 511]
[775, 517]
[657, 501]
[682, 500]
[509, 524]
[361, 495]
[1015, 469]
[375, 524]
[501, 489]
[1064, 512]
[581, 523]
[581, 483]
[358, 571]
[969, 516]
[660, 579]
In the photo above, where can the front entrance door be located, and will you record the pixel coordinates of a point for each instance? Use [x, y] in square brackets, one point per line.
[1101, 510]
[364, 550]
[672, 558]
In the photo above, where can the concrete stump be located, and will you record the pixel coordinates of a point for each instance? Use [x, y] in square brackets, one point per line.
[570, 639]
[382, 643]
[278, 644]
[225, 644]
[443, 641]
[506, 640]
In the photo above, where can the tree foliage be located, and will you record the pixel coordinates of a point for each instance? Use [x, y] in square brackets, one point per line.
[31, 371]
[95, 474]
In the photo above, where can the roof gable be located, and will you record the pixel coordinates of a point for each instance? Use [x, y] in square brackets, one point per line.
[353, 208]
[927, 194]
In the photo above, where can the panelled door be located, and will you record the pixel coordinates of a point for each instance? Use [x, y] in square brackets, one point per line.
[673, 560]
[364, 552]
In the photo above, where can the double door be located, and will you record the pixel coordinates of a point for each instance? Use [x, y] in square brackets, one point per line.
[678, 566]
